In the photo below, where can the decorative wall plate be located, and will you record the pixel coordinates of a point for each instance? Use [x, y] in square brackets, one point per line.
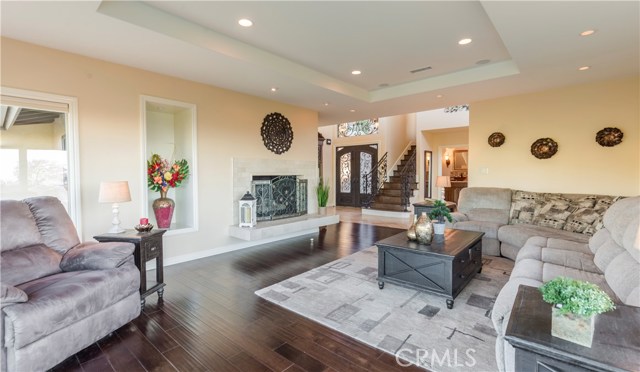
[496, 139]
[544, 148]
[609, 137]
[277, 134]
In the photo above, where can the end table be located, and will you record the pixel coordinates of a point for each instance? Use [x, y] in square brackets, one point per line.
[148, 246]
[427, 205]
[615, 339]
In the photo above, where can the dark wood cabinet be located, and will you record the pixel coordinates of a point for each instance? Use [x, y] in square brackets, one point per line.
[615, 347]
[426, 206]
[452, 193]
[148, 247]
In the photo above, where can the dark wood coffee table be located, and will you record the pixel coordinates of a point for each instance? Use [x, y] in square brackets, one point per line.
[444, 267]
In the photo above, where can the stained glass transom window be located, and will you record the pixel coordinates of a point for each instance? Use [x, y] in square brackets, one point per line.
[345, 173]
[358, 128]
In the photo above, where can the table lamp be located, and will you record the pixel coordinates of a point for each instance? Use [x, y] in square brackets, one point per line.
[114, 192]
[442, 182]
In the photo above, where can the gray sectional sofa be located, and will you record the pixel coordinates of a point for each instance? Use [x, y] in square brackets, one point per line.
[601, 245]
[58, 295]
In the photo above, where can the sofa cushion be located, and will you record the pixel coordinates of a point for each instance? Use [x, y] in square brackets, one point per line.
[11, 295]
[623, 276]
[54, 224]
[18, 228]
[560, 252]
[528, 268]
[59, 300]
[551, 271]
[490, 229]
[623, 222]
[26, 264]
[525, 206]
[517, 235]
[497, 199]
[97, 256]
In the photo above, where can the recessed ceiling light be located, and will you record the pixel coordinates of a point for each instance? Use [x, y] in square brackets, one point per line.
[274, 89]
[584, 68]
[464, 41]
[244, 22]
[356, 72]
[587, 32]
[439, 96]
[326, 103]
[352, 110]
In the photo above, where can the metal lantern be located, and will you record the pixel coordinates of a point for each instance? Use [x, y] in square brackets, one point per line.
[247, 210]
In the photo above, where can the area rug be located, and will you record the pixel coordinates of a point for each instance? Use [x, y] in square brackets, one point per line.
[412, 325]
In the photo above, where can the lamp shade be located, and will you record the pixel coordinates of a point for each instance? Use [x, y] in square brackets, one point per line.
[443, 181]
[114, 192]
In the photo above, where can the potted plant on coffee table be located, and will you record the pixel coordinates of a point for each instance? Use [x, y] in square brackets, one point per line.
[575, 305]
[438, 213]
[322, 191]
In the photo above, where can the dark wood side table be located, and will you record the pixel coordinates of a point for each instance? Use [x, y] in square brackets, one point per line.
[148, 246]
[444, 267]
[427, 205]
[615, 347]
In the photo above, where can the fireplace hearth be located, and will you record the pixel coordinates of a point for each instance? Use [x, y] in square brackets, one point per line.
[279, 197]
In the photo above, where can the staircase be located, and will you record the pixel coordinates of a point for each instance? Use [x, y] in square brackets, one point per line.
[396, 192]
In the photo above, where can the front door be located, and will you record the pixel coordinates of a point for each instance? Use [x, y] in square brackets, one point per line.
[353, 163]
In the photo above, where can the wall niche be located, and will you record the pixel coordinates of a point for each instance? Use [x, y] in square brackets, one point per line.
[169, 130]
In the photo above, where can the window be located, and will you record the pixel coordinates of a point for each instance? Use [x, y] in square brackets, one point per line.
[358, 128]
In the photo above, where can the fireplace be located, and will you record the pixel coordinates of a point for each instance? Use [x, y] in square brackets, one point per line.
[279, 196]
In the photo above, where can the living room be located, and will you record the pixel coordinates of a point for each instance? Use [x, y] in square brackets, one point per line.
[111, 145]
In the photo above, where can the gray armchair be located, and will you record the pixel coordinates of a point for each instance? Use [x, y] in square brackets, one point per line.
[58, 295]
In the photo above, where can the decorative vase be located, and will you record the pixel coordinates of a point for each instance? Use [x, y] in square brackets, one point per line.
[424, 229]
[163, 210]
[438, 228]
[411, 232]
[571, 327]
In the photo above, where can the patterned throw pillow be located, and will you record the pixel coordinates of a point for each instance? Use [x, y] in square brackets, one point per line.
[554, 212]
[588, 220]
[525, 206]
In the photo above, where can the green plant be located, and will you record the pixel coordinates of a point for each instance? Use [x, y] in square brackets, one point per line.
[440, 211]
[576, 297]
[322, 190]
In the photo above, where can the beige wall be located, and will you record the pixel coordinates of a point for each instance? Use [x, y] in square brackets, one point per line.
[571, 116]
[110, 133]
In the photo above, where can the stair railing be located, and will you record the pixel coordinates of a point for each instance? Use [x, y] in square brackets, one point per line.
[373, 181]
[407, 179]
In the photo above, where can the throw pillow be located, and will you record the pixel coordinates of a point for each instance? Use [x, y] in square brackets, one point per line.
[525, 206]
[554, 212]
[588, 220]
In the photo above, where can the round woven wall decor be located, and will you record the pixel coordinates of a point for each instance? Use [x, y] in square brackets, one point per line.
[496, 139]
[544, 148]
[277, 134]
[609, 137]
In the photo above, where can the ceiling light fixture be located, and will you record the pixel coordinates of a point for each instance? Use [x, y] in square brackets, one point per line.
[244, 22]
[352, 110]
[439, 96]
[356, 72]
[584, 68]
[274, 89]
[465, 41]
[326, 103]
[587, 32]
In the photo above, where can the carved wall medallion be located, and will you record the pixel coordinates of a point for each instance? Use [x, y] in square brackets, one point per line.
[276, 132]
[609, 137]
[544, 148]
[496, 139]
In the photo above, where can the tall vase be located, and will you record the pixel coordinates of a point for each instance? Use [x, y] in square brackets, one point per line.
[411, 232]
[163, 209]
[424, 229]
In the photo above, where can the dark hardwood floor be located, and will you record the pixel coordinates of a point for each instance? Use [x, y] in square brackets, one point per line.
[211, 320]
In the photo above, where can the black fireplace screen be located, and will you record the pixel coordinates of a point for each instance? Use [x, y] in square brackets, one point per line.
[279, 196]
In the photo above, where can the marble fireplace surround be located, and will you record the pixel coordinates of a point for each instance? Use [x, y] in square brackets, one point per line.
[243, 171]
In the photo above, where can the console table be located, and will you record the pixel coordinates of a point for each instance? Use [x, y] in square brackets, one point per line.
[148, 246]
[616, 342]
[427, 205]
